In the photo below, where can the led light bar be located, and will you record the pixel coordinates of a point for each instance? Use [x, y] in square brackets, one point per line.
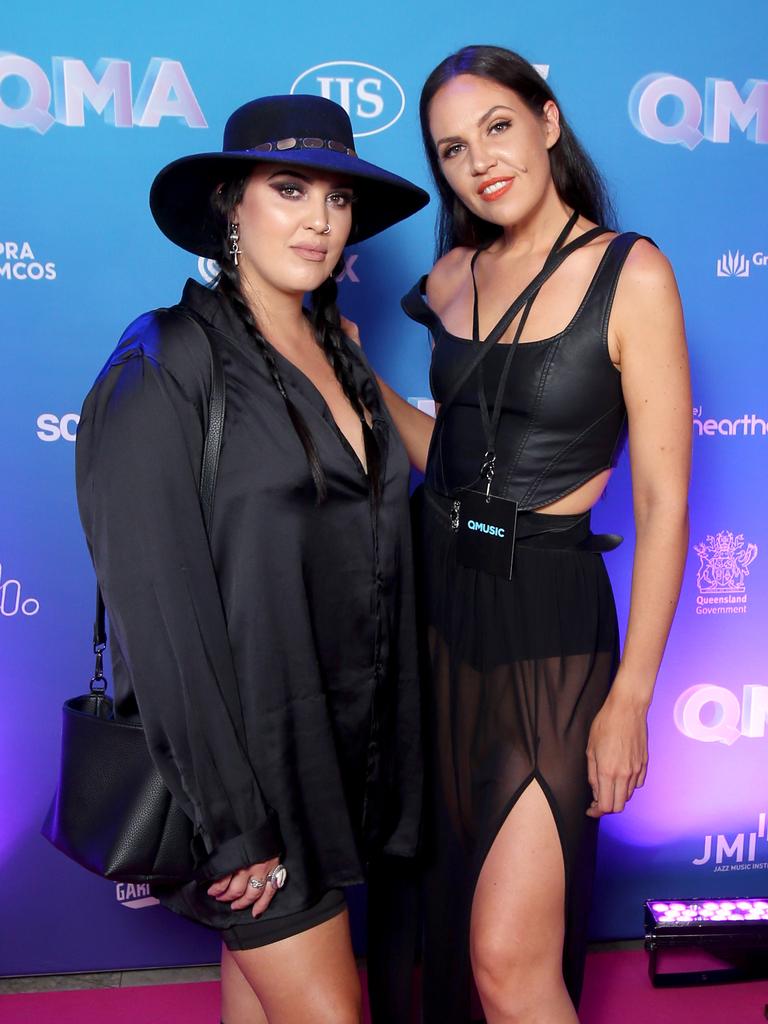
[682, 913]
[734, 930]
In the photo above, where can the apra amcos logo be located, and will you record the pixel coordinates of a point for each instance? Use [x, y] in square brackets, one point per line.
[372, 97]
[135, 897]
[670, 110]
[26, 93]
[18, 262]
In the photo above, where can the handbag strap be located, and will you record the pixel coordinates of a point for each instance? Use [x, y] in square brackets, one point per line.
[217, 402]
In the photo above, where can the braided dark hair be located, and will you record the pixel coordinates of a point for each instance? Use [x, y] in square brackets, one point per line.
[326, 325]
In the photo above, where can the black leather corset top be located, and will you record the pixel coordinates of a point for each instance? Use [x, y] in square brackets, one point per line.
[563, 418]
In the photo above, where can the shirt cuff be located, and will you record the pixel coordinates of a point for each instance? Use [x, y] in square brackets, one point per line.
[252, 847]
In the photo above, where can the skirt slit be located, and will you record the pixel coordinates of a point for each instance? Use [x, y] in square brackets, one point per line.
[517, 670]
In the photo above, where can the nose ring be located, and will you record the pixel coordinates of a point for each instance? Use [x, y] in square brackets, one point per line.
[326, 230]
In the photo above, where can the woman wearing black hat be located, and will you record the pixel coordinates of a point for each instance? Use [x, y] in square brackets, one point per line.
[272, 657]
[537, 726]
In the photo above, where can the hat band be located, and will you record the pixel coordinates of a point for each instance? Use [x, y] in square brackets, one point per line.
[310, 143]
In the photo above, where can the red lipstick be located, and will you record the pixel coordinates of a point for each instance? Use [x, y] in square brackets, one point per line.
[497, 193]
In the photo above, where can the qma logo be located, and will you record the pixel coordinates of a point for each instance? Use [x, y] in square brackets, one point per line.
[746, 425]
[11, 602]
[714, 714]
[741, 851]
[724, 562]
[372, 97]
[18, 263]
[26, 93]
[135, 897]
[51, 427]
[684, 110]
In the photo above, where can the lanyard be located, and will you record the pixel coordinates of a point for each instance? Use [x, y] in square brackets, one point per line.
[481, 351]
[491, 417]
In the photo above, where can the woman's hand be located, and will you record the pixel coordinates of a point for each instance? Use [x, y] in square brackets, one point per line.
[351, 330]
[617, 753]
[236, 889]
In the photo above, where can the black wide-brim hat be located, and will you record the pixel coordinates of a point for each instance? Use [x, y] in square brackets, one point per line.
[298, 131]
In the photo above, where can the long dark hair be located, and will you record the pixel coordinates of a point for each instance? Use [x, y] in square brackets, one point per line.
[326, 325]
[577, 180]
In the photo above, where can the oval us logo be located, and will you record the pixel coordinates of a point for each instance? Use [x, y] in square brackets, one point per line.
[372, 97]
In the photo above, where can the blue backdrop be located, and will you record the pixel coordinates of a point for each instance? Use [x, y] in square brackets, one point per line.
[672, 101]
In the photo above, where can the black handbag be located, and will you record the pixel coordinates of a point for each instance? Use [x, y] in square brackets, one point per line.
[112, 813]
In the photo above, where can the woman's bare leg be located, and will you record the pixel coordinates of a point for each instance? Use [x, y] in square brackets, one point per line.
[309, 978]
[239, 1003]
[518, 920]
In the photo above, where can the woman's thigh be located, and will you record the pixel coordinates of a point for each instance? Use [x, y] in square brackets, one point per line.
[307, 977]
[518, 914]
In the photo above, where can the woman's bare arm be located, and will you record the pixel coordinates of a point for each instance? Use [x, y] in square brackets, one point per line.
[655, 379]
[414, 426]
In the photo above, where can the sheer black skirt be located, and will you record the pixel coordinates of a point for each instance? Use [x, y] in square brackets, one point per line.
[517, 671]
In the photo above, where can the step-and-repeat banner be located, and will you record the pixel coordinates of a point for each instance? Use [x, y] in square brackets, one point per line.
[672, 101]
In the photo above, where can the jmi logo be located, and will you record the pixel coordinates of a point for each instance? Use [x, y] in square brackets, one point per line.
[742, 851]
[372, 97]
[670, 109]
[26, 93]
[135, 897]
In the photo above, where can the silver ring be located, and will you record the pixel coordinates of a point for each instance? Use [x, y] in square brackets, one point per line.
[278, 876]
[326, 230]
[257, 883]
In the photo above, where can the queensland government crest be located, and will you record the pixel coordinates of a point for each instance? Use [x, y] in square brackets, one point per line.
[724, 561]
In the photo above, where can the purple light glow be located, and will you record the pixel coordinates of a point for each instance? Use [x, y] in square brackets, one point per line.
[684, 912]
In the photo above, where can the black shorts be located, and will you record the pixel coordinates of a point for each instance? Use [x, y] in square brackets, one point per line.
[262, 933]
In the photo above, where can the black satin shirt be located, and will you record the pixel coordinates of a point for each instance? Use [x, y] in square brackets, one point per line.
[563, 418]
[274, 666]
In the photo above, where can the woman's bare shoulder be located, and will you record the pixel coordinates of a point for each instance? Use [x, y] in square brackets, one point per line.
[447, 276]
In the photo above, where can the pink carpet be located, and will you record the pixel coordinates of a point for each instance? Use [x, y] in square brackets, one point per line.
[617, 991]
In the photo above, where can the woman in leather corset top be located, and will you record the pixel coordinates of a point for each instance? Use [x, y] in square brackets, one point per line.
[553, 337]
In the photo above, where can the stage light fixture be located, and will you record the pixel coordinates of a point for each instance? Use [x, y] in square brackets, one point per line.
[732, 931]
